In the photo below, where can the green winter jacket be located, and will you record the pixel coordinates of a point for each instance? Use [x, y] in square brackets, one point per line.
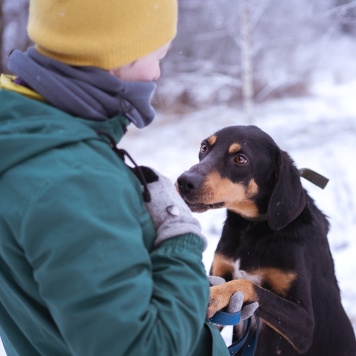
[78, 271]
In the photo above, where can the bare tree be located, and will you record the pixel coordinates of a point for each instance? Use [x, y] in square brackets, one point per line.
[225, 53]
[13, 27]
[344, 13]
[1, 33]
[247, 62]
[241, 53]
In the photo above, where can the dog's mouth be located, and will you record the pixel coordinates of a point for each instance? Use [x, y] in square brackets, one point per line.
[194, 201]
[200, 207]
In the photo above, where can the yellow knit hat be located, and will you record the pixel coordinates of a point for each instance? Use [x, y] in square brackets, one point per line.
[105, 34]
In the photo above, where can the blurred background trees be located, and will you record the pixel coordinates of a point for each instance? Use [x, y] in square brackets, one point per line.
[13, 23]
[215, 61]
[290, 41]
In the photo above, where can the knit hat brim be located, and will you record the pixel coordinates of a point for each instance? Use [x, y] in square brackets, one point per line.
[105, 35]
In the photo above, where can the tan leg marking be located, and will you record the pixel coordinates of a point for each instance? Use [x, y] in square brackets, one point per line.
[222, 266]
[279, 280]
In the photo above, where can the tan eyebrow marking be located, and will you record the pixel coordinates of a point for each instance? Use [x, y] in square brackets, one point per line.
[212, 140]
[235, 147]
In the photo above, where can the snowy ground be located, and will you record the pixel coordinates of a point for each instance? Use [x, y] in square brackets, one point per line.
[318, 131]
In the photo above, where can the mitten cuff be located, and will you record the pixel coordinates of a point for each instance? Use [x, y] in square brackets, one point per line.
[165, 233]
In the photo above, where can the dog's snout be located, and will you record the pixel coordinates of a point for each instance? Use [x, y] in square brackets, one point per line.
[189, 181]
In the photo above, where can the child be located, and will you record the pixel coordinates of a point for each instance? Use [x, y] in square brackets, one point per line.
[87, 266]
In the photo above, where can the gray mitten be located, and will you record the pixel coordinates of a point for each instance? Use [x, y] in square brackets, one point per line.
[236, 300]
[170, 214]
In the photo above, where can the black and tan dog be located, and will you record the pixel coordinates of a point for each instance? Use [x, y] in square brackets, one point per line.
[274, 245]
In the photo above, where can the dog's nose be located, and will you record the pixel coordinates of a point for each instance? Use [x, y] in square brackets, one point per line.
[189, 181]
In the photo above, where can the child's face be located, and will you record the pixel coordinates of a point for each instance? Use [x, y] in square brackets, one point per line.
[145, 69]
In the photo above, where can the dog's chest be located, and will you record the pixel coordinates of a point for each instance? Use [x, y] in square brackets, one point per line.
[271, 278]
[239, 273]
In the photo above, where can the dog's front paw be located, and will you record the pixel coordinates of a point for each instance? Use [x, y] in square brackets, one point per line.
[219, 299]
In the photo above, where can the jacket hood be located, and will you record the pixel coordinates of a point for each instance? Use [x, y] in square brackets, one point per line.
[29, 127]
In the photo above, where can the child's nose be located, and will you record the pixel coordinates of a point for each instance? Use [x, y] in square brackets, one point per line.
[157, 74]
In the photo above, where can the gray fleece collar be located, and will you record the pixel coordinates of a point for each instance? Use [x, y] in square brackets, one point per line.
[87, 92]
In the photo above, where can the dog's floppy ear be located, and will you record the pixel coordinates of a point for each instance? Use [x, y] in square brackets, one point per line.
[288, 198]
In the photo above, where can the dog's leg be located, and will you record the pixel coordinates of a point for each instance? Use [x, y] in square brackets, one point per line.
[222, 266]
[292, 320]
[220, 295]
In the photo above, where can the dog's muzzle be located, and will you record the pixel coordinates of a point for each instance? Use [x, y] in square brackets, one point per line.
[191, 188]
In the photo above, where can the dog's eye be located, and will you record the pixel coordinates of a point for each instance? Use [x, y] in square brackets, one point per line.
[240, 159]
[203, 148]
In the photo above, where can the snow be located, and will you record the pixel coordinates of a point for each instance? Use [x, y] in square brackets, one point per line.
[318, 131]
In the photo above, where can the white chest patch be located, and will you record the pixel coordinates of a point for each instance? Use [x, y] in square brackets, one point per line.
[241, 274]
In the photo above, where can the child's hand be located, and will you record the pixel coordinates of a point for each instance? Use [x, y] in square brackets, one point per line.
[170, 214]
